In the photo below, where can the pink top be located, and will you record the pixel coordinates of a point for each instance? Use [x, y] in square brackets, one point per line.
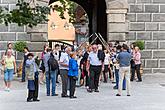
[137, 57]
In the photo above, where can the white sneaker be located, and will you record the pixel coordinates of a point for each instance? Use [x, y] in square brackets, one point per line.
[6, 89]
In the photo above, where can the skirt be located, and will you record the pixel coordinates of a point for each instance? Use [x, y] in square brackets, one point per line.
[106, 68]
[31, 85]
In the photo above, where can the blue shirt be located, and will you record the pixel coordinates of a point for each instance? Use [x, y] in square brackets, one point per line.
[29, 62]
[93, 59]
[124, 59]
[73, 67]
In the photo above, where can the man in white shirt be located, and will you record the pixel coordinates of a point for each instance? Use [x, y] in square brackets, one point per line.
[64, 67]
[95, 68]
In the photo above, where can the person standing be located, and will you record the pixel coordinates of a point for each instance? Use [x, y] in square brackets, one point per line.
[53, 67]
[56, 53]
[106, 66]
[73, 74]
[117, 66]
[95, 67]
[32, 76]
[101, 56]
[84, 62]
[42, 67]
[137, 60]
[50, 72]
[79, 59]
[26, 52]
[64, 67]
[9, 68]
[124, 59]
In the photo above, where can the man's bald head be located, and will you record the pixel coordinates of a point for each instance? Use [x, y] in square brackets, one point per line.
[68, 50]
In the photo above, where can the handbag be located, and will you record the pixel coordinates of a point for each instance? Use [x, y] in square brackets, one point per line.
[42, 67]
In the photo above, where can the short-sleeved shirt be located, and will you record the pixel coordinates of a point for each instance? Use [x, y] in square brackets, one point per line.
[65, 60]
[137, 57]
[107, 59]
[93, 59]
[9, 62]
[124, 59]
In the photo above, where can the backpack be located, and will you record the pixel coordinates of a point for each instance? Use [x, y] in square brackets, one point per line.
[101, 55]
[52, 63]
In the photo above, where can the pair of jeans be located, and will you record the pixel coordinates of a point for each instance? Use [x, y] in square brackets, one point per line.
[8, 74]
[79, 76]
[117, 79]
[51, 76]
[23, 73]
[137, 69]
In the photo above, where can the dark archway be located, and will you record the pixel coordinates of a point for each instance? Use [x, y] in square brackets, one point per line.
[96, 10]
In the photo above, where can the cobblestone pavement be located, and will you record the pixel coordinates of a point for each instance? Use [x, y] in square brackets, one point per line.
[148, 95]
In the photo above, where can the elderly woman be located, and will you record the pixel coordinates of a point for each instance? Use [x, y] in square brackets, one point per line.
[137, 60]
[32, 76]
[9, 68]
[73, 74]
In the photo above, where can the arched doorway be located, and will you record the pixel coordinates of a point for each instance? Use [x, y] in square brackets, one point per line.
[96, 10]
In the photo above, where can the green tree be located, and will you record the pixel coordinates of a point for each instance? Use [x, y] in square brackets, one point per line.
[26, 15]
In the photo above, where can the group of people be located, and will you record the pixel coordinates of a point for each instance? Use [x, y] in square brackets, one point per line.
[87, 66]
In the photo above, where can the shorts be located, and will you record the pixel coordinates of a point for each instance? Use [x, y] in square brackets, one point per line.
[8, 74]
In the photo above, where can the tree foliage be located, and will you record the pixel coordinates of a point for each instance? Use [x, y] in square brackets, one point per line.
[26, 15]
[19, 46]
[140, 44]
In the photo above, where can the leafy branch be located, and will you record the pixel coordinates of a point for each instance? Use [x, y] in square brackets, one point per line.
[24, 14]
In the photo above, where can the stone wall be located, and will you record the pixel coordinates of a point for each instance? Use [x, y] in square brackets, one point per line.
[147, 22]
[117, 23]
[35, 37]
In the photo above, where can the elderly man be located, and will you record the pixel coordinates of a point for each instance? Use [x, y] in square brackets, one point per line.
[95, 67]
[64, 67]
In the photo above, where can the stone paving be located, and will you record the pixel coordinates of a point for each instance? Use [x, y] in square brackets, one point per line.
[148, 95]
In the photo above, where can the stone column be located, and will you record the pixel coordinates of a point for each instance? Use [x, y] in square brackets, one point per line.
[117, 24]
[39, 33]
[38, 37]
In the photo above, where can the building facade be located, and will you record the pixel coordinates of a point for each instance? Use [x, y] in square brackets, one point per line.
[127, 20]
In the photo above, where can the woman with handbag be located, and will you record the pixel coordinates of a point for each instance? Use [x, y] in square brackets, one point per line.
[73, 74]
[137, 62]
[9, 69]
[42, 67]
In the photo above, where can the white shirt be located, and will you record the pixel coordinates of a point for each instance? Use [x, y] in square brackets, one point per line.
[56, 55]
[93, 59]
[79, 60]
[107, 59]
[65, 60]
